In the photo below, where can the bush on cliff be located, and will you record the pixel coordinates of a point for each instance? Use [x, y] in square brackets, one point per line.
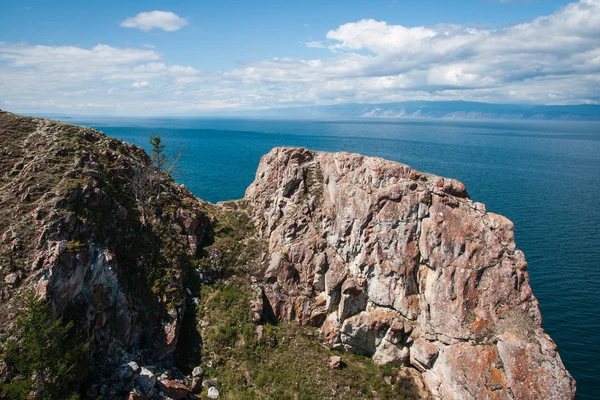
[47, 357]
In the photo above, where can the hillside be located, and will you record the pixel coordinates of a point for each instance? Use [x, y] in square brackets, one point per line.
[74, 233]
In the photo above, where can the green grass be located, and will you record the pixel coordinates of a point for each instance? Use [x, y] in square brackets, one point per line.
[235, 248]
[287, 363]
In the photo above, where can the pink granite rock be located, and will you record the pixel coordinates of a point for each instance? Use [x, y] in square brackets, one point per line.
[403, 266]
[173, 389]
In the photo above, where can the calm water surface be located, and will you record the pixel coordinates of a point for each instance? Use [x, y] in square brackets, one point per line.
[544, 176]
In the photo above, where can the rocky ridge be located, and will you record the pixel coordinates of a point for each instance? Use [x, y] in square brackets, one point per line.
[380, 259]
[72, 231]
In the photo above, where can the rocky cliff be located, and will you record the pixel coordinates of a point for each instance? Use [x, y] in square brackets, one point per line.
[402, 266]
[365, 255]
[72, 230]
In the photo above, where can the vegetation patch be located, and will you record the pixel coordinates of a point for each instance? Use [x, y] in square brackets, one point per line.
[235, 248]
[286, 362]
[47, 357]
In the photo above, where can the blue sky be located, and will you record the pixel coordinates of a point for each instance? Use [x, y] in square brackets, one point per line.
[200, 56]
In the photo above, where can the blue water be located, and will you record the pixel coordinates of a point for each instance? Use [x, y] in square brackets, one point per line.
[544, 176]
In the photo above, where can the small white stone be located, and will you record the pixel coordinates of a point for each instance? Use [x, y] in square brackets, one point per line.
[213, 393]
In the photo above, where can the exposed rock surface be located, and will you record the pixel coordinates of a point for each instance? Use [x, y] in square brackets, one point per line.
[213, 393]
[173, 389]
[389, 262]
[73, 231]
[404, 267]
[335, 362]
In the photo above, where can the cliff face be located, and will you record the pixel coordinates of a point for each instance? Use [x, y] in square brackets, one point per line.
[385, 261]
[404, 267]
[72, 230]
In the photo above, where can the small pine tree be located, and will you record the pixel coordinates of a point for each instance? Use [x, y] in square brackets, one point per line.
[47, 357]
[160, 159]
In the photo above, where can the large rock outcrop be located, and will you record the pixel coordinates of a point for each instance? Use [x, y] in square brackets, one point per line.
[72, 229]
[402, 266]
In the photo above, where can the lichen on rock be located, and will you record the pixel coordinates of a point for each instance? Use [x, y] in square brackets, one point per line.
[367, 256]
[402, 266]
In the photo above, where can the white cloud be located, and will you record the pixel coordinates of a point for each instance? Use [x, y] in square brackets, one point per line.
[20, 55]
[315, 44]
[552, 60]
[57, 78]
[375, 61]
[378, 36]
[165, 20]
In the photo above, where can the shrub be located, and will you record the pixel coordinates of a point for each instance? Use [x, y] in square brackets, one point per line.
[47, 357]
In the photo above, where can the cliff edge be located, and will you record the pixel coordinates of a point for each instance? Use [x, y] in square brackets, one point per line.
[402, 266]
[89, 225]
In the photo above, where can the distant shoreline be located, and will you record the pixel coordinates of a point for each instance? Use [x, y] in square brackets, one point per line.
[410, 110]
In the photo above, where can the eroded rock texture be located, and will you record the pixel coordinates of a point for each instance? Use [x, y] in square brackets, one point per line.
[389, 262]
[404, 267]
[72, 230]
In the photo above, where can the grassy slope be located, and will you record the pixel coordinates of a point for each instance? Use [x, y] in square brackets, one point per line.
[288, 362]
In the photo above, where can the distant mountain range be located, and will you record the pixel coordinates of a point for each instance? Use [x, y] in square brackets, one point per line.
[459, 110]
[440, 109]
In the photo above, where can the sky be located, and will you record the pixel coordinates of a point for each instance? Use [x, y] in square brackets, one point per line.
[201, 57]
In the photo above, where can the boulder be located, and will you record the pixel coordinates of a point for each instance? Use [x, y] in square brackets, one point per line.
[146, 380]
[133, 366]
[335, 362]
[197, 372]
[208, 383]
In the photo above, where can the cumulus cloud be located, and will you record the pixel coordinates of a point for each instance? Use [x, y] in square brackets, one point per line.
[73, 78]
[165, 20]
[553, 59]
